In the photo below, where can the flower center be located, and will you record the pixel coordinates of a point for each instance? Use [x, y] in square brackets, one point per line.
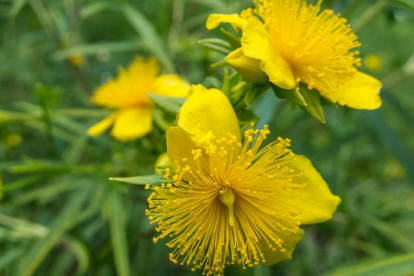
[227, 197]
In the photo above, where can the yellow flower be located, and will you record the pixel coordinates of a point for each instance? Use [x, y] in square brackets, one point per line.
[295, 42]
[13, 140]
[230, 202]
[128, 95]
[373, 62]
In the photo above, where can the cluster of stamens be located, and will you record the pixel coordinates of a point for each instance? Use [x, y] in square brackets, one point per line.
[221, 206]
[316, 45]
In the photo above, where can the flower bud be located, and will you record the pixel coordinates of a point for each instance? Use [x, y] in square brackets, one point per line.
[248, 68]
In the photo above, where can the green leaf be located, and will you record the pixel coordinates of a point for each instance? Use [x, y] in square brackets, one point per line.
[406, 3]
[154, 179]
[17, 6]
[231, 39]
[219, 48]
[262, 270]
[80, 251]
[64, 221]
[169, 104]
[401, 265]
[9, 256]
[390, 138]
[215, 41]
[21, 183]
[93, 49]
[1, 187]
[313, 100]
[118, 235]
[148, 34]
[293, 95]
[93, 9]
[253, 92]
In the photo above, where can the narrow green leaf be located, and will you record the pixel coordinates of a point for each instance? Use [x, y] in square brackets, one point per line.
[118, 235]
[293, 95]
[148, 34]
[215, 41]
[402, 265]
[231, 39]
[23, 182]
[1, 187]
[64, 221]
[253, 92]
[80, 251]
[169, 104]
[93, 9]
[390, 138]
[17, 6]
[262, 270]
[93, 49]
[406, 3]
[313, 100]
[154, 179]
[10, 255]
[218, 48]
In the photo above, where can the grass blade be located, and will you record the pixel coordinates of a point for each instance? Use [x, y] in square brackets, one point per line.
[119, 242]
[93, 49]
[148, 35]
[64, 221]
[402, 265]
[389, 137]
[16, 8]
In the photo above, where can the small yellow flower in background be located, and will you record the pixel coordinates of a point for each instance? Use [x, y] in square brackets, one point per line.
[295, 42]
[76, 60]
[13, 140]
[373, 62]
[230, 202]
[127, 94]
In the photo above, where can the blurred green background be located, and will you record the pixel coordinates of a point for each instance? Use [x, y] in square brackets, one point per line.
[59, 213]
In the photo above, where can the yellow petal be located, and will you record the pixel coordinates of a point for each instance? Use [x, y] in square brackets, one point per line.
[179, 146]
[290, 240]
[132, 123]
[207, 113]
[171, 85]
[248, 68]
[100, 127]
[215, 19]
[131, 86]
[256, 44]
[361, 92]
[317, 203]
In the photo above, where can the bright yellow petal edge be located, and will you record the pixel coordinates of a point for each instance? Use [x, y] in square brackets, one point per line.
[207, 113]
[318, 203]
[216, 19]
[256, 44]
[100, 127]
[360, 92]
[132, 123]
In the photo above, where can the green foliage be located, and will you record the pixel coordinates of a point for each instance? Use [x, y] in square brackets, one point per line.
[61, 215]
